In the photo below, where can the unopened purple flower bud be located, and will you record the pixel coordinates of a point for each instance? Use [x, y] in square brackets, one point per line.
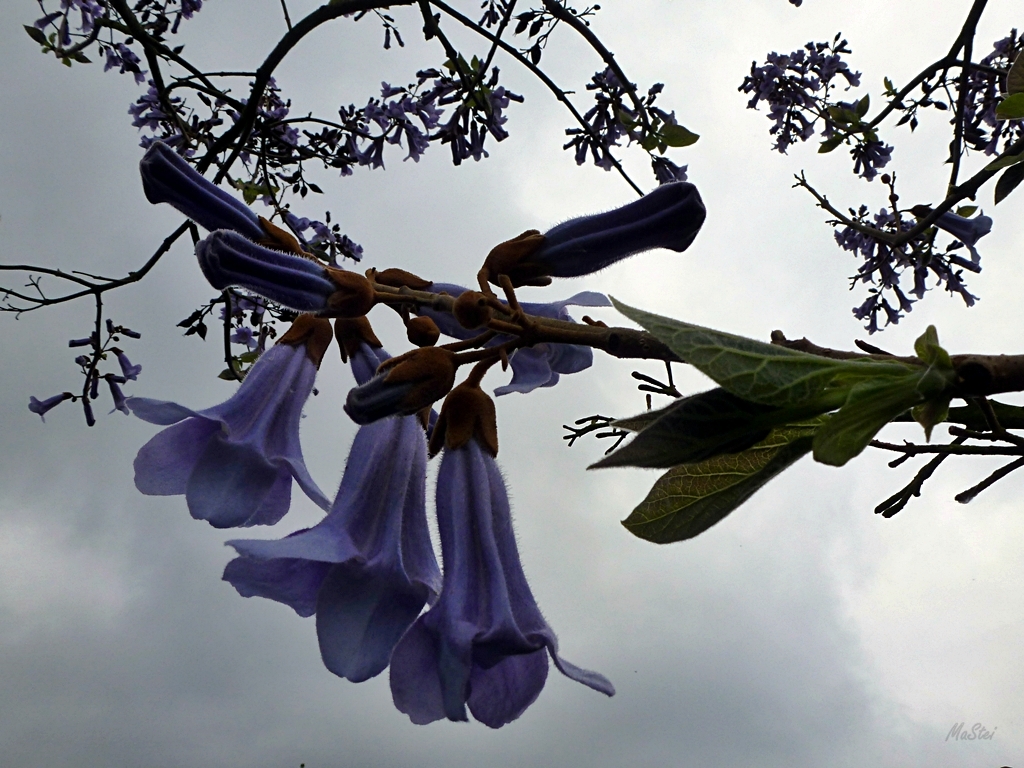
[414, 381]
[42, 406]
[117, 394]
[130, 333]
[130, 371]
[83, 360]
[90, 420]
[94, 386]
[228, 259]
[168, 178]
[669, 217]
[376, 399]
[81, 342]
[110, 326]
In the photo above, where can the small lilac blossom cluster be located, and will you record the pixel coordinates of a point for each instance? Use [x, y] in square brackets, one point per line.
[614, 117]
[101, 350]
[798, 89]
[884, 263]
[466, 640]
[77, 23]
[985, 89]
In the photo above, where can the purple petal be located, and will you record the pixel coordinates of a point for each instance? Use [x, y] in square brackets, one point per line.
[158, 411]
[163, 465]
[292, 581]
[229, 482]
[499, 695]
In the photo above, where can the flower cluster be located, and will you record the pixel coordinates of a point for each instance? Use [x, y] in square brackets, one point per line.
[101, 349]
[615, 116]
[986, 87]
[368, 570]
[798, 89]
[884, 262]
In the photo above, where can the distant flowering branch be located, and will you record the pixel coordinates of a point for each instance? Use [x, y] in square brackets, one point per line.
[800, 90]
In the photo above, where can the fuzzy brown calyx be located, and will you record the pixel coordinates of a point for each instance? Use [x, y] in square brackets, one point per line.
[351, 332]
[422, 331]
[472, 309]
[468, 412]
[314, 332]
[512, 258]
[281, 239]
[431, 371]
[398, 278]
[354, 296]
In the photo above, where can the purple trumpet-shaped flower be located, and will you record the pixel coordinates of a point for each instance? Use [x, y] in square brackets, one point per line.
[128, 370]
[532, 367]
[967, 231]
[120, 402]
[235, 462]
[230, 260]
[484, 643]
[368, 568]
[44, 406]
[168, 178]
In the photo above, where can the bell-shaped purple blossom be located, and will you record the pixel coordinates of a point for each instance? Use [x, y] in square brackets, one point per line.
[532, 367]
[967, 231]
[44, 406]
[230, 260]
[368, 568]
[668, 217]
[129, 371]
[120, 402]
[168, 178]
[234, 462]
[484, 644]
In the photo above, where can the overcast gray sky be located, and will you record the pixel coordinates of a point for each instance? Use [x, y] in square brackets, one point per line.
[801, 631]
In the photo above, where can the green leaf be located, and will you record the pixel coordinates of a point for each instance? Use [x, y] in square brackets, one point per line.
[37, 35]
[649, 142]
[689, 499]
[1011, 108]
[227, 374]
[764, 373]
[829, 144]
[1015, 77]
[1004, 162]
[696, 428]
[678, 136]
[927, 348]
[872, 405]
[966, 210]
[889, 87]
[1009, 181]
[933, 412]
[863, 106]
[249, 357]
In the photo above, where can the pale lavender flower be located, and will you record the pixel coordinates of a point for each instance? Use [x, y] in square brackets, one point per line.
[484, 644]
[967, 231]
[368, 568]
[128, 370]
[43, 406]
[116, 394]
[234, 462]
[168, 178]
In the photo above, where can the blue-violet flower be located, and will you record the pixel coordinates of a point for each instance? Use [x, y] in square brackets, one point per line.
[484, 643]
[235, 462]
